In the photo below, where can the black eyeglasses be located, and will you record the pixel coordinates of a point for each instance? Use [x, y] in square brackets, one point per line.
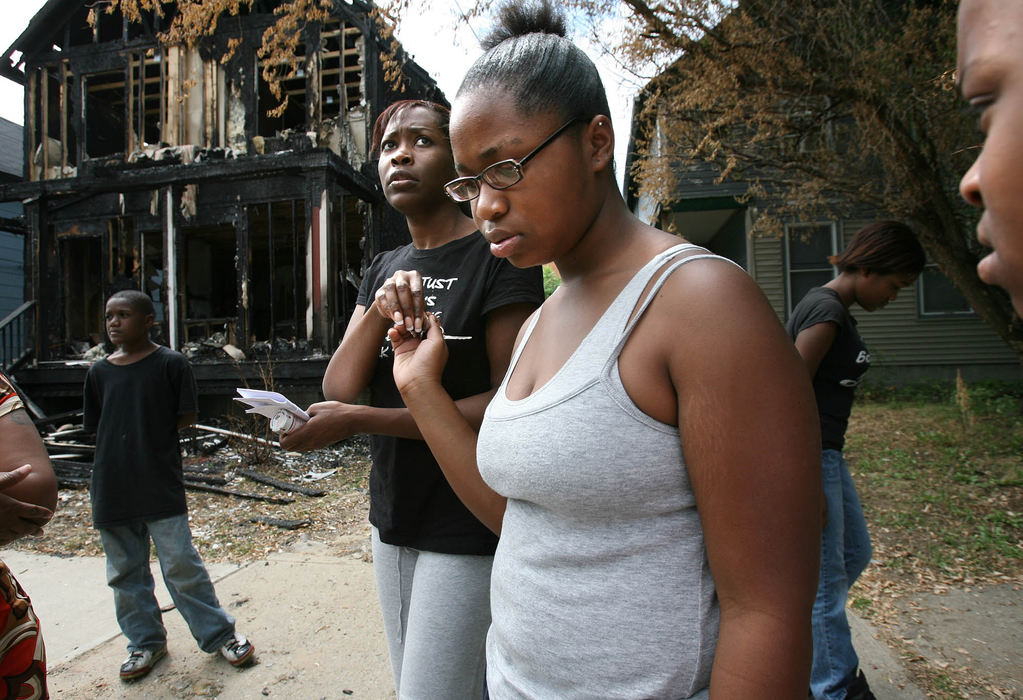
[502, 174]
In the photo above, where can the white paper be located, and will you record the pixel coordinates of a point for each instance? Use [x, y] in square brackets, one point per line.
[267, 403]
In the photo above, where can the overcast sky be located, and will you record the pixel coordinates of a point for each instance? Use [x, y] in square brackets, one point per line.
[430, 38]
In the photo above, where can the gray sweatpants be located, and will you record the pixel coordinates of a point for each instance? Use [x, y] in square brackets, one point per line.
[436, 610]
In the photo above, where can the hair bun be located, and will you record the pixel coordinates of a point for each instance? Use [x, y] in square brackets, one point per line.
[521, 18]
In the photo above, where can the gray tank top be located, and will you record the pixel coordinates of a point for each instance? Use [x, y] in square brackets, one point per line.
[600, 585]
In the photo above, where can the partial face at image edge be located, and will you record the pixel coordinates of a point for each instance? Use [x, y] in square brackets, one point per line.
[990, 69]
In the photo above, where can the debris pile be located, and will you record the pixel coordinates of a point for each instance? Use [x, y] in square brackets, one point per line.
[71, 449]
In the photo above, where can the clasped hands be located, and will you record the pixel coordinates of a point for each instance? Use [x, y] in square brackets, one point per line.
[418, 356]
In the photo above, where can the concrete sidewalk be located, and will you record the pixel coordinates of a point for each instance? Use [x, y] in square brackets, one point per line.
[312, 616]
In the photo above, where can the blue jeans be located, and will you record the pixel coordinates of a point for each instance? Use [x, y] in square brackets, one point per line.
[128, 573]
[845, 553]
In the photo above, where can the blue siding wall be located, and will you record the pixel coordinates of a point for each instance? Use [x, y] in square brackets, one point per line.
[11, 264]
[12, 290]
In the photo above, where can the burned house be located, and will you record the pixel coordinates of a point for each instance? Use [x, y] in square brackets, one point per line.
[167, 169]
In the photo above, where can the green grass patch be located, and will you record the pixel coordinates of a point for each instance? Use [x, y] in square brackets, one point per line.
[941, 477]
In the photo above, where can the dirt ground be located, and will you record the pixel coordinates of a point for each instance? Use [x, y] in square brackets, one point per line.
[222, 526]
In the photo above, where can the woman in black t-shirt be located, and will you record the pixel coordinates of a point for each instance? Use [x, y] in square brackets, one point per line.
[432, 557]
[881, 259]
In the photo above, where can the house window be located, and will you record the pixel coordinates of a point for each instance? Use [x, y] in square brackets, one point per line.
[340, 68]
[104, 113]
[288, 111]
[53, 136]
[807, 247]
[147, 97]
[938, 296]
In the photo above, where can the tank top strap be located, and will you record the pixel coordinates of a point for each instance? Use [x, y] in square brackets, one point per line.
[584, 365]
[530, 325]
[652, 292]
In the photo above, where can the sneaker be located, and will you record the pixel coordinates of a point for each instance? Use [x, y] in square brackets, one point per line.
[140, 662]
[858, 689]
[238, 650]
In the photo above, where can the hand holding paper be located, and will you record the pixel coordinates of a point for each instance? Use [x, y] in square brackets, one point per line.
[283, 414]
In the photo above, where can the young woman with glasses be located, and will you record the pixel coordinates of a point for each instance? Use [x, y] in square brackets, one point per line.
[651, 460]
[432, 557]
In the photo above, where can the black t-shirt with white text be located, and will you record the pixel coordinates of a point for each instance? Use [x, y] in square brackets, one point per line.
[411, 503]
[843, 366]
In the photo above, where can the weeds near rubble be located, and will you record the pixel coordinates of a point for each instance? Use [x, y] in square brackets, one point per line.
[253, 452]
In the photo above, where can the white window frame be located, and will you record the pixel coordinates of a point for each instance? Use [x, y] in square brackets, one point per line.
[924, 313]
[825, 265]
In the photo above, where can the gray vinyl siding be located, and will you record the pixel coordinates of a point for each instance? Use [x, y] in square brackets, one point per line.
[11, 156]
[769, 270]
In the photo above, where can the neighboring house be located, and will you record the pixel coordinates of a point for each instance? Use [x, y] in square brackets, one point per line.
[929, 332]
[12, 245]
[160, 168]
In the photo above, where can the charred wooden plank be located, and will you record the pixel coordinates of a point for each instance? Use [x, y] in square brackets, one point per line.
[278, 484]
[280, 522]
[72, 482]
[57, 418]
[69, 446]
[240, 436]
[69, 467]
[238, 494]
[205, 479]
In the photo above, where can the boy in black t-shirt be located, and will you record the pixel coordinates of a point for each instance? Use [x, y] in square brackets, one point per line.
[136, 400]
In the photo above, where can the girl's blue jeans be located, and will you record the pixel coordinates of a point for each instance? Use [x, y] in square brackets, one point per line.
[129, 575]
[845, 553]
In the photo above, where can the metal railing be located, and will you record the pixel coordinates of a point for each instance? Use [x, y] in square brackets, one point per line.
[15, 347]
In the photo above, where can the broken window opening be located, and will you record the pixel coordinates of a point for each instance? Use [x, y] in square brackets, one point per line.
[145, 27]
[104, 113]
[53, 135]
[151, 281]
[352, 232]
[210, 276]
[81, 277]
[109, 26]
[121, 252]
[277, 270]
[293, 88]
[79, 31]
[340, 68]
[148, 97]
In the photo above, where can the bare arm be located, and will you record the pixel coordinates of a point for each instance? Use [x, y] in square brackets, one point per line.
[418, 365]
[749, 426]
[351, 366]
[338, 419]
[814, 342]
[26, 503]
